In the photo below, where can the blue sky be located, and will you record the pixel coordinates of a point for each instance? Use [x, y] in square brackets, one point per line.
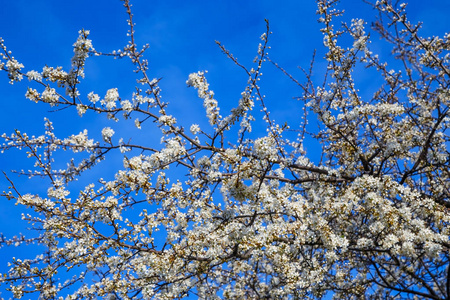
[182, 37]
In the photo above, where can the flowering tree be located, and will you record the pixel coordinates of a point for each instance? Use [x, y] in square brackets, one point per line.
[218, 212]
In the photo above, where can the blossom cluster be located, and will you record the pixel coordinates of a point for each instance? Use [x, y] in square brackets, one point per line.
[198, 81]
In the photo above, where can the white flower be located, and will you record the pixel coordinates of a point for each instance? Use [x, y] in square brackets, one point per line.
[49, 95]
[137, 123]
[54, 75]
[360, 43]
[34, 75]
[93, 97]
[81, 109]
[122, 148]
[112, 95]
[167, 120]
[32, 94]
[79, 142]
[126, 105]
[14, 68]
[81, 50]
[195, 129]
[107, 133]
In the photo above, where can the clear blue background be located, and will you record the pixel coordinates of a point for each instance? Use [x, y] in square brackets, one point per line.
[182, 38]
